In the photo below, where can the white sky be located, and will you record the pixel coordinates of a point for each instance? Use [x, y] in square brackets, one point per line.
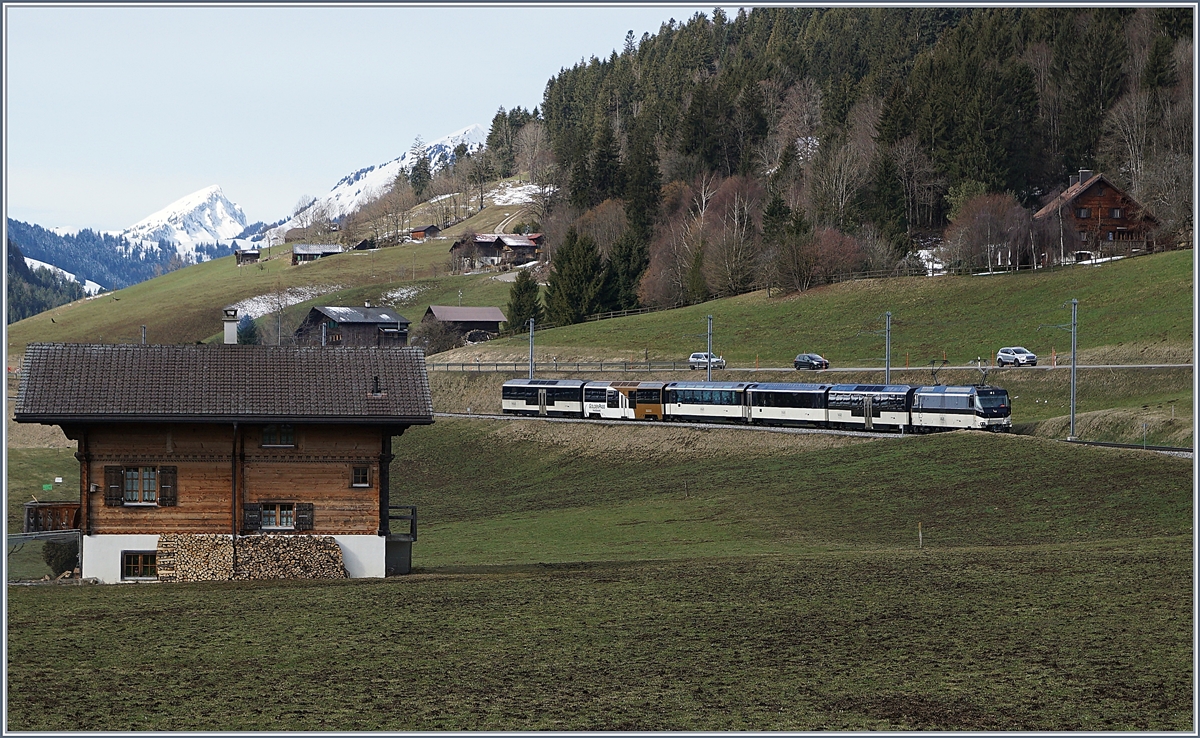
[112, 113]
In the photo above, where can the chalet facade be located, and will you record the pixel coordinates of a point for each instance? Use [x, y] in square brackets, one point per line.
[181, 446]
[304, 252]
[424, 232]
[1094, 217]
[353, 326]
[494, 249]
[466, 319]
[246, 256]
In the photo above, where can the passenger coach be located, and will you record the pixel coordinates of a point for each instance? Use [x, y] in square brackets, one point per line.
[549, 397]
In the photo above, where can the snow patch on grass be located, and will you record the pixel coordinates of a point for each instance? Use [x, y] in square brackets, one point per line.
[401, 295]
[256, 307]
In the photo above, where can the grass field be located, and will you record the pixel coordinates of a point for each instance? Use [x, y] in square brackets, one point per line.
[635, 578]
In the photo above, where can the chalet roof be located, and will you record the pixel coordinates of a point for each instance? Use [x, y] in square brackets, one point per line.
[316, 248]
[65, 383]
[512, 239]
[455, 314]
[426, 228]
[362, 314]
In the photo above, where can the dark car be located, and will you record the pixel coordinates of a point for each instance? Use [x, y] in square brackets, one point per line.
[810, 361]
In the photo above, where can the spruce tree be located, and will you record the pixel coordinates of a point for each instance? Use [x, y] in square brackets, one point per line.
[523, 302]
[247, 331]
[573, 285]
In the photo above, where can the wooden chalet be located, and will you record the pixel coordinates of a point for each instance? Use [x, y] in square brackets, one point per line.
[303, 252]
[497, 248]
[194, 457]
[246, 256]
[466, 319]
[424, 232]
[1093, 218]
[353, 326]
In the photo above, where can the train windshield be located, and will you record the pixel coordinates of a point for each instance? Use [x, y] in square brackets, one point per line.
[994, 400]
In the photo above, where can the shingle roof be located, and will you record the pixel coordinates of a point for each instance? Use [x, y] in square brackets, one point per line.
[65, 383]
[455, 314]
[1067, 196]
[362, 314]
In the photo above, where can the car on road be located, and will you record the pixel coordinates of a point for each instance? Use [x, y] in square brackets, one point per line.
[703, 360]
[1015, 356]
[810, 361]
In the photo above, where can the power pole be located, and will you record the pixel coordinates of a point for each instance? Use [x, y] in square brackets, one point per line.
[531, 348]
[1074, 328]
[709, 362]
[887, 351]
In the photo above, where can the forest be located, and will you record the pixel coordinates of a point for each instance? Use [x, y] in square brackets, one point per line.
[31, 291]
[784, 145]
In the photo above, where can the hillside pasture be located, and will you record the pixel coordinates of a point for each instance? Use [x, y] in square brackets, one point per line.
[565, 584]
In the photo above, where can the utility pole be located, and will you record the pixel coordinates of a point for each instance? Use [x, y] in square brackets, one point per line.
[709, 362]
[1074, 328]
[531, 348]
[887, 351]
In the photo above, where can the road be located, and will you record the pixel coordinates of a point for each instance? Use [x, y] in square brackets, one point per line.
[954, 368]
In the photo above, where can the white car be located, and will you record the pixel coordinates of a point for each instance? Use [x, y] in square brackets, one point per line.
[1015, 356]
[703, 360]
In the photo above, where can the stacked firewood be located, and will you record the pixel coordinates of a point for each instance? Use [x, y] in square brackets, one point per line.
[194, 558]
[197, 558]
[289, 557]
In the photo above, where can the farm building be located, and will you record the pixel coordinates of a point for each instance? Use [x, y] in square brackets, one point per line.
[497, 248]
[303, 252]
[1094, 217]
[353, 326]
[246, 256]
[466, 319]
[228, 461]
[424, 232]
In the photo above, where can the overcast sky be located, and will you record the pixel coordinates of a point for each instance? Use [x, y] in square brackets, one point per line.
[112, 113]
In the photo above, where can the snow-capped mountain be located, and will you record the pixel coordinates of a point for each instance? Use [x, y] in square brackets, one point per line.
[203, 217]
[359, 187]
[89, 287]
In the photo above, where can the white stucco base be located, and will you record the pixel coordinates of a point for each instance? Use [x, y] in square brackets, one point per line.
[102, 554]
[363, 556]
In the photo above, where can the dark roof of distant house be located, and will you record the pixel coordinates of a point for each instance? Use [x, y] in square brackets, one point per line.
[316, 248]
[456, 314]
[246, 251]
[65, 383]
[362, 314]
[426, 228]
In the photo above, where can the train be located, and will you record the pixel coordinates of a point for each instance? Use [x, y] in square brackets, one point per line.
[900, 408]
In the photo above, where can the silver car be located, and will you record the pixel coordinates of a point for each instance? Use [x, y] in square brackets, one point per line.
[703, 360]
[1015, 356]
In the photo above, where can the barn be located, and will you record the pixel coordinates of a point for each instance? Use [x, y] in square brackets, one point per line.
[232, 461]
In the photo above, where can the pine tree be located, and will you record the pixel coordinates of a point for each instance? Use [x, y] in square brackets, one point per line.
[419, 175]
[247, 331]
[573, 285]
[608, 179]
[523, 302]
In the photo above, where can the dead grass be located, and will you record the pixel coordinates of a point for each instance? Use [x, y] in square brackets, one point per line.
[631, 441]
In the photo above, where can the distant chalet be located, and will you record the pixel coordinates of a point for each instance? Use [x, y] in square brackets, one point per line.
[421, 233]
[246, 256]
[304, 252]
[466, 319]
[1094, 217]
[353, 326]
[497, 248]
[212, 442]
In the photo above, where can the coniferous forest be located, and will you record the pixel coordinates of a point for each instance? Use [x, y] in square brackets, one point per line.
[783, 145]
[31, 291]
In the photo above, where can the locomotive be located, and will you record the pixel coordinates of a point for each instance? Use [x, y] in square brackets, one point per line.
[871, 407]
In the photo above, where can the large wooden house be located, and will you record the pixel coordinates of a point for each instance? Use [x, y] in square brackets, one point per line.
[352, 326]
[208, 450]
[478, 249]
[1093, 218]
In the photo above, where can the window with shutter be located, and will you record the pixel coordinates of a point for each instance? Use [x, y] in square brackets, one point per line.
[251, 516]
[168, 493]
[304, 516]
[114, 481]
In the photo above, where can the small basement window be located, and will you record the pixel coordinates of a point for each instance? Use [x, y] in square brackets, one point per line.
[278, 435]
[360, 476]
[139, 565]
